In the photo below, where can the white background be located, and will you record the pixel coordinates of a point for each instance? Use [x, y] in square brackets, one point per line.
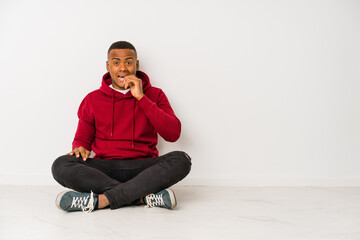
[267, 91]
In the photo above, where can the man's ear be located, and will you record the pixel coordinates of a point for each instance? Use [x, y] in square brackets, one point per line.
[107, 66]
[137, 65]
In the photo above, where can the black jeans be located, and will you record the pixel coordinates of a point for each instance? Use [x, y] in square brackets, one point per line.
[122, 181]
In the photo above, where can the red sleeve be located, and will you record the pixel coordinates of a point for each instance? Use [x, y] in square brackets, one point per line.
[85, 132]
[162, 117]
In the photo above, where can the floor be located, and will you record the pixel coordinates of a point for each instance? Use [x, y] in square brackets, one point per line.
[251, 213]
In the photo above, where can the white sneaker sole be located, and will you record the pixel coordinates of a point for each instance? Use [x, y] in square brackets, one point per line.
[58, 198]
[172, 198]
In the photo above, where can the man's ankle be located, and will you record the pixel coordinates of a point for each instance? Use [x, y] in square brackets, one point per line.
[103, 202]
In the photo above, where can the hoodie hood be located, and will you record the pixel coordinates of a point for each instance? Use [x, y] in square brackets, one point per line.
[115, 96]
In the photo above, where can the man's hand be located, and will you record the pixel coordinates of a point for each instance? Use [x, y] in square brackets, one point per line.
[80, 151]
[135, 85]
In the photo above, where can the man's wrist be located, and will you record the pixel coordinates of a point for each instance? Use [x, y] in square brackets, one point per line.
[138, 98]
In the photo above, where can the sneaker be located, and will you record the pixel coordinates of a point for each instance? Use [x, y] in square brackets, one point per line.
[165, 199]
[74, 201]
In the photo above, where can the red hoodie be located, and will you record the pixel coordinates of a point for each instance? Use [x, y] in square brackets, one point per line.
[117, 126]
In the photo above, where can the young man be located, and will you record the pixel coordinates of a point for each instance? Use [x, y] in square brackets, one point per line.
[120, 122]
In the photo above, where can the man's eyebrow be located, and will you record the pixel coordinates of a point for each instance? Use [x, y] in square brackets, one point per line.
[125, 58]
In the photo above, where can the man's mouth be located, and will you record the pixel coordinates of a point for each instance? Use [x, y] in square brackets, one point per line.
[121, 78]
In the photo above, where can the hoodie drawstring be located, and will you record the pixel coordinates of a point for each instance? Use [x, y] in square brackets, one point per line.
[112, 117]
[133, 125]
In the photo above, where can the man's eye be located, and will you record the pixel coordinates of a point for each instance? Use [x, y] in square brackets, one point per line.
[116, 63]
[129, 63]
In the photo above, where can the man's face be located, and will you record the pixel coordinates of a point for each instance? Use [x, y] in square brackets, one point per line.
[121, 63]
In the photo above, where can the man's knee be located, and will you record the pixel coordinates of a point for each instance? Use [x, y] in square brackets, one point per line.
[181, 155]
[60, 163]
[181, 162]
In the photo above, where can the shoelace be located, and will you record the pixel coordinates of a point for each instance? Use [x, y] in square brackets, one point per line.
[81, 201]
[153, 200]
[90, 207]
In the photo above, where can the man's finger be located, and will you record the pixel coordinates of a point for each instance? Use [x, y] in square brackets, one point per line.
[129, 82]
[83, 154]
[87, 154]
[76, 152]
[125, 83]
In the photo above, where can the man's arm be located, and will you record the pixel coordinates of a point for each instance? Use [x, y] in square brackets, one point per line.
[160, 114]
[162, 117]
[85, 132]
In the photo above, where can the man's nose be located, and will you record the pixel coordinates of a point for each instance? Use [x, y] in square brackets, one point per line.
[122, 66]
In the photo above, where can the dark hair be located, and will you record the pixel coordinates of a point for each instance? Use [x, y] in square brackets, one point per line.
[121, 45]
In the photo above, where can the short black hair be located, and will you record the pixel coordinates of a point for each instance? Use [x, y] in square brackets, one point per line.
[121, 45]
